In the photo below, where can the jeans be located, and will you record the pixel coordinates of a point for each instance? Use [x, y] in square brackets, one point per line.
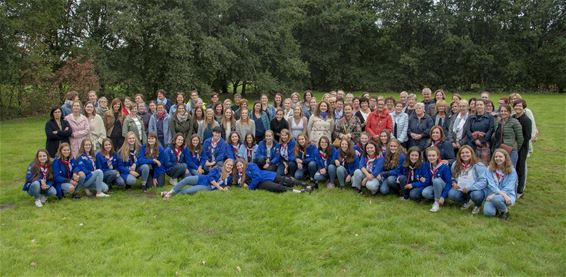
[143, 170]
[434, 191]
[496, 204]
[514, 157]
[460, 197]
[372, 185]
[111, 177]
[290, 171]
[309, 169]
[341, 173]
[92, 183]
[192, 182]
[177, 171]
[388, 184]
[413, 193]
[319, 177]
[35, 190]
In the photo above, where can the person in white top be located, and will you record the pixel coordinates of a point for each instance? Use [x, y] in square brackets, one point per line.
[297, 123]
[97, 129]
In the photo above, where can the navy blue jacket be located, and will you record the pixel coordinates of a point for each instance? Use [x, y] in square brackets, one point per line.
[256, 175]
[162, 158]
[483, 123]
[419, 126]
[423, 171]
[194, 160]
[219, 152]
[84, 164]
[290, 151]
[233, 152]
[102, 163]
[308, 155]
[377, 166]
[261, 153]
[172, 157]
[350, 167]
[323, 163]
[445, 173]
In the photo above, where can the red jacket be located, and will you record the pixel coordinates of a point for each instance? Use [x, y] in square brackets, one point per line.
[377, 122]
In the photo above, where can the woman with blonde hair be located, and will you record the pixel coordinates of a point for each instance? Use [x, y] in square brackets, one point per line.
[501, 184]
[321, 123]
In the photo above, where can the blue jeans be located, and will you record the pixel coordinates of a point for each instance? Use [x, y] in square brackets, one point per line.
[434, 191]
[112, 177]
[35, 190]
[143, 170]
[341, 173]
[388, 184]
[94, 182]
[318, 177]
[460, 197]
[290, 171]
[192, 182]
[496, 204]
[514, 157]
[372, 185]
[413, 193]
[177, 171]
[310, 169]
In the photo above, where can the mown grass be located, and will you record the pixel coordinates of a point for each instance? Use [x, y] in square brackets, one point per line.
[260, 233]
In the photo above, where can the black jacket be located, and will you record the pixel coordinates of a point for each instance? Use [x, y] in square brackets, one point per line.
[54, 140]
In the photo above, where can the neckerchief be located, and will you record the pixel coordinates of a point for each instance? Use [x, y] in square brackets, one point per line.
[68, 166]
[235, 149]
[240, 174]
[44, 169]
[466, 166]
[323, 115]
[411, 173]
[109, 161]
[434, 169]
[132, 156]
[250, 151]
[178, 151]
[268, 151]
[369, 163]
[499, 174]
[284, 152]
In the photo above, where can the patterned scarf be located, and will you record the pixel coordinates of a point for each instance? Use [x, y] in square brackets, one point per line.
[499, 174]
[44, 170]
[284, 152]
[161, 115]
[250, 153]
[178, 152]
[68, 167]
[109, 161]
[369, 163]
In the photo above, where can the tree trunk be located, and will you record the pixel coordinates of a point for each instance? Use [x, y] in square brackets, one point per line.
[244, 83]
[235, 87]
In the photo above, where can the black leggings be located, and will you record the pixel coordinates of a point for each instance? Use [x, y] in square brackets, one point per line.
[521, 169]
[280, 184]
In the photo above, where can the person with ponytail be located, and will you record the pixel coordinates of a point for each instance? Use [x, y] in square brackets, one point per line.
[323, 159]
[90, 178]
[441, 179]
[501, 180]
[247, 150]
[66, 180]
[469, 184]
[268, 154]
[371, 164]
[414, 175]
[305, 153]
[394, 158]
[177, 159]
[345, 163]
[153, 155]
[219, 178]
[39, 178]
[127, 162]
[107, 161]
[288, 165]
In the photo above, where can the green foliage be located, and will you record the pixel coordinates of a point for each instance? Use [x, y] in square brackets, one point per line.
[261, 233]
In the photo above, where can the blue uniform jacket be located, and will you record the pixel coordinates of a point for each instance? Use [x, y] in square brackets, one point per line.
[359, 149]
[30, 179]
[261, 153]
[423, 171]
[350, 167]
[308, 155]
[219, 151]
[213, 175]
[162, 157]
[243, 153]
[233, 153]
[124, 166]
[290, 151]
[256, 175]
[102, 164]
[194, 159]
[323, 163]
[172, 158]
[84, 164]
[395, 171]
[377, 166]
[445, 174]
[507, 185]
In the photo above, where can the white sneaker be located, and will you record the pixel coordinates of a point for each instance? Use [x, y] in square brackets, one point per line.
[43, 199]
[476, 210]
[467, 205]
[38, 203]
[102, 194]
[88, 192]
[173, 181]
[435, 207]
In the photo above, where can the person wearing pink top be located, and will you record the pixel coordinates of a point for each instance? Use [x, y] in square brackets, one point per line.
[80, 126]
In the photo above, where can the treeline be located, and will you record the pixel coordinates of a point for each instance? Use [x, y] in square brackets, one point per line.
[130, 46]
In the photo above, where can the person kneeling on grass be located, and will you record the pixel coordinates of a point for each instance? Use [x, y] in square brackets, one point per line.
[256, 178]
[414, 175]
[39, 178]
[153, 155]
[218, 178]
[501, 183]
[468, 180]
[65, 178]
[441, 179]
[107, 161]
[371, 165]
[127, 162]
[90, 178]
[345, 163]
[177, 159]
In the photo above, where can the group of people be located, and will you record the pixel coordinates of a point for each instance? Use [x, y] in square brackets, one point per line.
[466, 151]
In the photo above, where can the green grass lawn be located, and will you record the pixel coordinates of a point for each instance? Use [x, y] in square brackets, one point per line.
[260, 233]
